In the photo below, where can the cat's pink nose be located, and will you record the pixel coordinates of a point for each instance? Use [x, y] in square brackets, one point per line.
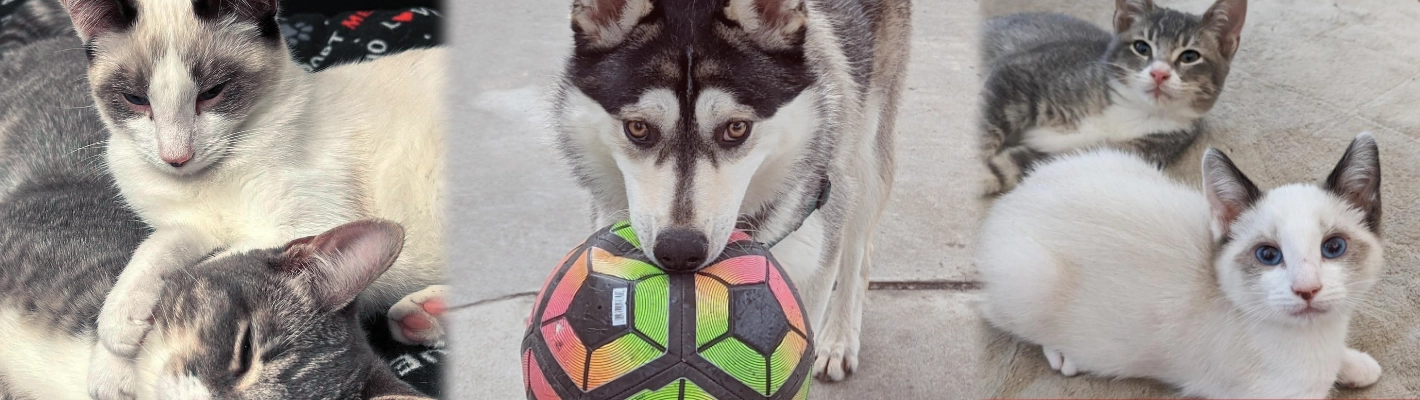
[1306, 293]
[1159, 75]
[177, 161]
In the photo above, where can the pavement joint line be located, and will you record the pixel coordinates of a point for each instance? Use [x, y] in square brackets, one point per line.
[940, 284]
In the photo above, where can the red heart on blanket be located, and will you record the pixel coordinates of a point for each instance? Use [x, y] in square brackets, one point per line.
[403, 17]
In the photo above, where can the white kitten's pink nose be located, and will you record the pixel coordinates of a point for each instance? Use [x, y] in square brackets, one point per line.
[1306, 292]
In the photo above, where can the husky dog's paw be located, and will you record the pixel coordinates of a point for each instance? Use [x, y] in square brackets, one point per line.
[1358, 370]
[126, 317]
[415, 318]
[110, 376]
[1059, 362]
[836, 356]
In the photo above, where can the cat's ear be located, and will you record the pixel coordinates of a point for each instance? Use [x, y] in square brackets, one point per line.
[383, 385]
[605, 23]
[774, 24]
[1226, 18]
[1357, 179]
[260, 12]
[342, 262]
[1129, 12]
[1229, 191]
[93, 18]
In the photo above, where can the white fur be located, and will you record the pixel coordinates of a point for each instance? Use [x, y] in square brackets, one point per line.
[38, 364]
[1108, 265]
[1120, 122]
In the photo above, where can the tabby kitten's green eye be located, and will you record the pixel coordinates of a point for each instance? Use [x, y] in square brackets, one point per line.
[1142, 48]
[1189, 57]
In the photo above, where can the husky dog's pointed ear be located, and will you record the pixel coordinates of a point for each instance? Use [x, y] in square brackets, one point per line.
[93, 18]
[1357, 179]
[1229, 191]
[1129, 12]
[605, 23]
[260, 12]
[1226, 18]
[342, 262]
[774, 24]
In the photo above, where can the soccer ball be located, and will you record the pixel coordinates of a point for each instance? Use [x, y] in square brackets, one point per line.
[609, 324]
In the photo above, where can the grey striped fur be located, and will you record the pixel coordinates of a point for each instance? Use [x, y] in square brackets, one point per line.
[36, 20]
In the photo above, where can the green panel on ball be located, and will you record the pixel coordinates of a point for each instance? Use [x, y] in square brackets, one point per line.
[603, 262]
[803, 393]
[653, 308]
[673, 391]
[624, 230]
[785, 359]
[712, 309]
[741, 362]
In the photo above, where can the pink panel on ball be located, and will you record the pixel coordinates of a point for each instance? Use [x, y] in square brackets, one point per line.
[739, 236]
[535, 381]
[739, 270]
[561, 297]
[569, 351]
[786, 300]
[541, 293]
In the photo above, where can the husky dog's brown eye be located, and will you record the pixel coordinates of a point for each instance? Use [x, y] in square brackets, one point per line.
[640, 132]
[735, 132]
[135, 99]
[212, 93]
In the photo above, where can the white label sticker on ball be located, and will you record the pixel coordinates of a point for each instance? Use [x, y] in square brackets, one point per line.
[618, 306]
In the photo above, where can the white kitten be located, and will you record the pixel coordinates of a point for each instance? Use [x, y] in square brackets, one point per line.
[1118, 271]
[223, 144]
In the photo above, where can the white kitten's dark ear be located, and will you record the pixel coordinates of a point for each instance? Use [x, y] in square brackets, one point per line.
[1229, 191]
[1129, 12]
[1226, 18]
[93, 18]
[342, 262]
[1357, 179]
[774, 24]
[605, 23]
[260, 12]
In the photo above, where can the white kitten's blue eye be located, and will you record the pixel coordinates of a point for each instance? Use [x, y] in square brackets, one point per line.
[1268, 255]
[1334, 247]
[1142, 48]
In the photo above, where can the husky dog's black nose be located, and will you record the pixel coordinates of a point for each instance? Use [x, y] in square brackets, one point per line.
[681, 249]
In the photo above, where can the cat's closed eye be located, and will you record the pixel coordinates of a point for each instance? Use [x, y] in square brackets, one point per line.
[212, 92]
[135, 99]
[242, 358]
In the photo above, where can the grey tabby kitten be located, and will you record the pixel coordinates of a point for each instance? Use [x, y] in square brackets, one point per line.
[267, 324]
[1057, 84]
[37, 19]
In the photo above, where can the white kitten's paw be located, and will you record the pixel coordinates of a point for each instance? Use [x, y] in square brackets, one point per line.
[1358, 370]
[126, 317]
[110, 376]
[415, 319]
[1059, 362]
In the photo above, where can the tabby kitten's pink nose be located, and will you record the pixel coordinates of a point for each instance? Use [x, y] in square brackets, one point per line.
[1159, 75]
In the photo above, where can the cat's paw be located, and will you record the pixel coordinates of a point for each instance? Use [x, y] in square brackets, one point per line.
[836, 356]
[126, 317]
[110, 376]
[1358, 370]
[1059, 362]
[415, 319]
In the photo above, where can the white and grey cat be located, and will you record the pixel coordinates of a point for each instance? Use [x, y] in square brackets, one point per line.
[1056, 84]
[221, 142]
[1118, 271]
[270, 323]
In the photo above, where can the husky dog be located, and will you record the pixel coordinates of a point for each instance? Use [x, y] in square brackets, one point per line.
[1231, 292]
[222, 143]
[693, 118]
